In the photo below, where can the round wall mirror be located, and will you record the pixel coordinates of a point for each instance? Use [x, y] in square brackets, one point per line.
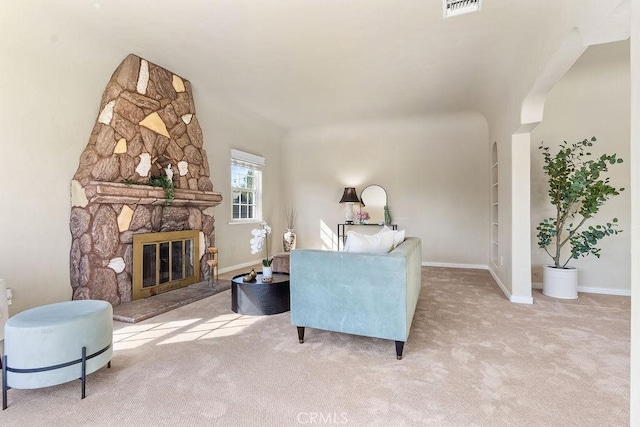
[374, 198]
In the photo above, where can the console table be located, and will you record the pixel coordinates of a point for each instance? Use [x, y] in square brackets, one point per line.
[342, 230]
[257, 298]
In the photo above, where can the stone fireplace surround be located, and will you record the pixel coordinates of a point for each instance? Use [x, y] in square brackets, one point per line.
[147, 125]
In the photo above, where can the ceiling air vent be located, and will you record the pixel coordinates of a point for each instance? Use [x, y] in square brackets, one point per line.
[459, 7]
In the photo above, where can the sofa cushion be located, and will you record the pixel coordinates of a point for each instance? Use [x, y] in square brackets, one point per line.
[398, 235]
[378, 243]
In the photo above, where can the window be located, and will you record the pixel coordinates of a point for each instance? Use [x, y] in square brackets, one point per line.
[246, 186]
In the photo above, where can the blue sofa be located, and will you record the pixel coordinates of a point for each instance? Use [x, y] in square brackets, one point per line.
[367, 294]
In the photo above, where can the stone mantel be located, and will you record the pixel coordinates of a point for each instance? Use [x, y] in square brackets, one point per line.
[120, 193]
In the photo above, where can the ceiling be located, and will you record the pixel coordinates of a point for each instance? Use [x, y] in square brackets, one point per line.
[312, 62]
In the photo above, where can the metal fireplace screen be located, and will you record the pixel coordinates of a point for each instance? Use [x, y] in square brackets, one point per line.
[164, 261]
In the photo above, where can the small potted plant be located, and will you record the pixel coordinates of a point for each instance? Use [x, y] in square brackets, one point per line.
[260, 240]
[577, 189]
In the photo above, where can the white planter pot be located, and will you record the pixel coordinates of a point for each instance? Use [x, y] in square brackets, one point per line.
[267, 272]
[560, 282]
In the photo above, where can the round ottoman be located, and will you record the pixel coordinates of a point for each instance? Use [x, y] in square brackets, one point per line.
[56, 343]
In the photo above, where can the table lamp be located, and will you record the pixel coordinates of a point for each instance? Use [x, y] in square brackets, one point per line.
[349, 197]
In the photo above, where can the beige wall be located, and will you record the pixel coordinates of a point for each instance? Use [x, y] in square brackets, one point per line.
[51, 83]
[50, 97]
[435, 171]
[224, 129]
[592, 99]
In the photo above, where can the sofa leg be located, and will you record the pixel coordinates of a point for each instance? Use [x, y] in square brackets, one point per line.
[300, 334]
[399, 348]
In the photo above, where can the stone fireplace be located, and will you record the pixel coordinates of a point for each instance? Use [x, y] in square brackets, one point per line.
[146, 127]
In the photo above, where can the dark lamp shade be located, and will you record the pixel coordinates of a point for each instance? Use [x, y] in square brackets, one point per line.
[350, 195]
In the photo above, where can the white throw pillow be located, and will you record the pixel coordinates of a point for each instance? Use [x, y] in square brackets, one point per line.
[379, 243]
[398, 235]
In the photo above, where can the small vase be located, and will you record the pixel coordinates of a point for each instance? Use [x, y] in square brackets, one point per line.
[267, 272]
[289, 240]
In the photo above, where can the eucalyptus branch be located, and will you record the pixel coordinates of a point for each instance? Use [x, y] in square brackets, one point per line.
[573, 231]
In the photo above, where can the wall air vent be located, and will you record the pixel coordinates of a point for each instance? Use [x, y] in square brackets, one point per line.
[459, 7]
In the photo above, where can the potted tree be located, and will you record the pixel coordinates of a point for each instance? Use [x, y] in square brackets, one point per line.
[577, 189]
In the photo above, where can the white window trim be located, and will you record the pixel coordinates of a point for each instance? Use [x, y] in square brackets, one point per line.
[257, 162]
[250, 161]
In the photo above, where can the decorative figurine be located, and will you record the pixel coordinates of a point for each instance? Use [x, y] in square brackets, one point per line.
[250, 277]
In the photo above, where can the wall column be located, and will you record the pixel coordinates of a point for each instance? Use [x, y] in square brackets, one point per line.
[521, 218]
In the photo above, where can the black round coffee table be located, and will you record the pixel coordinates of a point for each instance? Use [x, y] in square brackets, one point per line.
[257, 298]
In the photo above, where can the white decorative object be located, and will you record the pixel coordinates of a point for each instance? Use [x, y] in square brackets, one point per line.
[201, 245]
[117, 264]
[183, 168]
[267, 272]
[560, 282]
[144, 166]
[260, 240]
[187, 118]
[143, 77]
[289, 240]
[107, 113]
[169, 172]
[348, 212]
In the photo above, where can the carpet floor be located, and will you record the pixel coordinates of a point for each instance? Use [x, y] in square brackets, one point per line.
[472, 359]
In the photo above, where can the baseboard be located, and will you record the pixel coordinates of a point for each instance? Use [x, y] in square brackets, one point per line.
[503, 288]
[521, 300]
[591, 290]
[605, 291]
[238, 266]
[452, 265]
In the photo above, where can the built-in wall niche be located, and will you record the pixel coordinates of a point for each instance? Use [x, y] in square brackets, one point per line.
[494, 205]
[164, 261]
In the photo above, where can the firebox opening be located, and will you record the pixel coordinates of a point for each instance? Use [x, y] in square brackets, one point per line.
[164, 261]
